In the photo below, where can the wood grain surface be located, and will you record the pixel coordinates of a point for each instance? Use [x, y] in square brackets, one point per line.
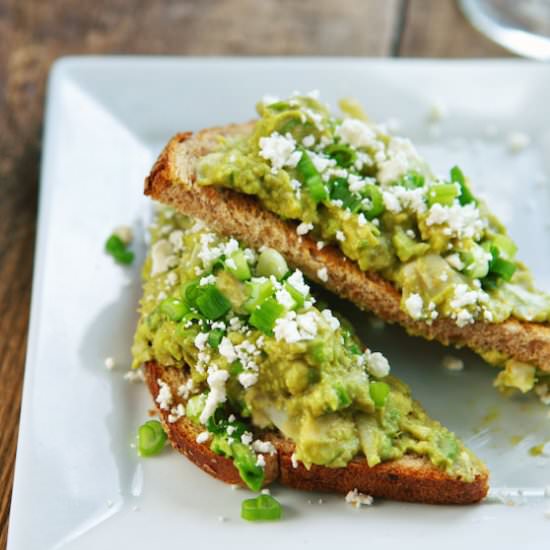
[34, 33]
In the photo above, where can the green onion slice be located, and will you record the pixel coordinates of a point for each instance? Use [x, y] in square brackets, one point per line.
[116, 247]
[212, 303]
[174, 308]
[379, 392]
[261, 508]
[264, 317]
[311, 178]
[373, 193]
[151, 438]
[443, 193]
[466, 196]
[237, 265]
[343, 154]
[244, 460]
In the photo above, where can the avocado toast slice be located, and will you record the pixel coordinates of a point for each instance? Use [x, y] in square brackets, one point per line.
[255, 381]
[360, 212]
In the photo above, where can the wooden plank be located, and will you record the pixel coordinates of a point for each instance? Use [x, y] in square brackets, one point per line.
[33, 34]
[437, 28]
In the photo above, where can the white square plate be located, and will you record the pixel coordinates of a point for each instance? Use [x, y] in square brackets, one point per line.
[78, 483]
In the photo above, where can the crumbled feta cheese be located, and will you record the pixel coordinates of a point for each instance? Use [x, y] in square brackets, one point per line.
[264, 447]
[171, 278]
[296, 280]
[357, 499]
[203, 437]
[109, 363]
[200, 340]
[164, 396]
[260, 461]
[322, 273]
[304, 228]
[176, 413]
[162, 257]
[321, 162]
[450, 362]
[377, 364]
[542, 389]
[284, 298]
[124, 233]
[227, 350]
[444, 276]
[247, 379]
[401, 157]
[517, 141]
[320, 245]
[246, 438]
[186, 388]
[308, 141]
[208, 280]
[216, 381]
[391, 202]
[332, 321]
[134, 375]
[294, 460]
[414, 305]
[279, 150]
[357, 133]
[307, 322]
[464, 221]
[454, 261]
[340, 236]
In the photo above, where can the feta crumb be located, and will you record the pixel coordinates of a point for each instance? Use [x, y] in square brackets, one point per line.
[454, 261]
[452, 363]
[171, 278]
[176, 413]
[200, 340]
[134, 375]
[248, 379]
[164, 397]
[322, 273]
[414, 305]
[124, 233]
[246, 438]
[294, 460]
[377, 364]
[203, 437]
[208, 280]
[279, 150]
[296, 280]
[216, 380]
[221, 519]
[517, 141]
[308, 141]
[401, 157]
[356, 133]
[264, 447]
[340, 236]
[260, 461]
[284, 298]
[265, 491]
[227, 349]
[161, 257]
[109, 363]
[357, 499]
[332, 321]
[320, 245]
[304, 228]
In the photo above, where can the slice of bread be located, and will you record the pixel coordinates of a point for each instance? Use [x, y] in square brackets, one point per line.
[172, 181]
[411, 478]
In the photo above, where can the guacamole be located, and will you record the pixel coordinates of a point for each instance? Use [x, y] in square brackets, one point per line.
[261, 353]
[350, 184]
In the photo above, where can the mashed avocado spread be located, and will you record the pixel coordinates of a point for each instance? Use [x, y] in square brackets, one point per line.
[260, 353]
[352, 185]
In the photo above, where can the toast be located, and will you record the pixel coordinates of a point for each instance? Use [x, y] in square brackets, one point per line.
[410, 479]
[172, 181]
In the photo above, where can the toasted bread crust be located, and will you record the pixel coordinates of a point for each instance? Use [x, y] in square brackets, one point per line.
[410, 479]
[172, 181]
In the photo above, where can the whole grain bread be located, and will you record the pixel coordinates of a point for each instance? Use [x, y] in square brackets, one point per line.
[172, 181]
[411, 478]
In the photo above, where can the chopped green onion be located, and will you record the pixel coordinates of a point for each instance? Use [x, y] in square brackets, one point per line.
[173, 308]
[264, 317]
[412, 180]
[244, 460]
[344, 400]
[237, 265]
[503, 268]
[279, 106]
[466, 196]
[379, 392]
[373, 193]
[261, 508]
[195, 406]
[443, 193]
[318, 352]
[190, 292]
[151, 438]
[217, 422]
[343, 154]
[212, 303]
[340, 191]
[311, 178]
[257, 293]
[236, 368]
[215, 336]
[116, 247]
[298, 297]
[506, 246]
[270, 262]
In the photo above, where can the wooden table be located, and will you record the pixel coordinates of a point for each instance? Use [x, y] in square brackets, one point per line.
[34, 33]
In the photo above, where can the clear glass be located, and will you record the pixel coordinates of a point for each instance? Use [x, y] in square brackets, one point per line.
[522, 26]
